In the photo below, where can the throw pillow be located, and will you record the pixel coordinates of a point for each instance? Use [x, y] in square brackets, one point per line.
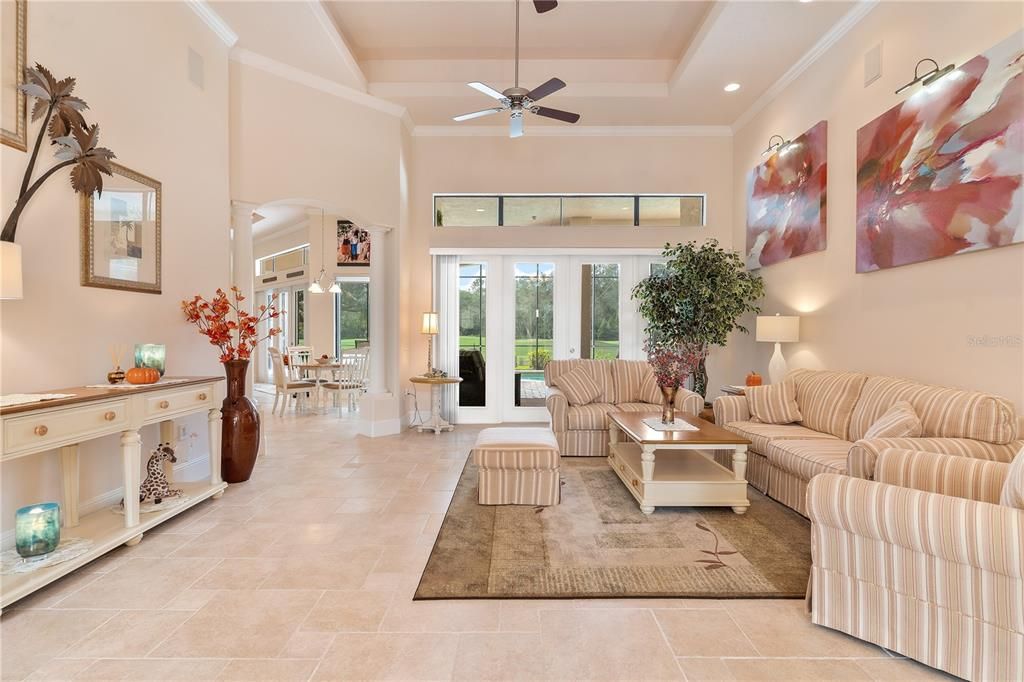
[899, 421]
[578, 387]
[1013, 487]
[773, 404]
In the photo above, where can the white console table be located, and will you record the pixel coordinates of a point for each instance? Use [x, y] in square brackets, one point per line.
[91, 413]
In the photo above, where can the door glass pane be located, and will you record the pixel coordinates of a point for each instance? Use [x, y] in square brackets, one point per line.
[352, 314]
[599, 312]
[472, 334]
[658, 268]
[534, 329]
[465, 211]
[300, 317]
[672, 211]
[525, 211]
[597, 211]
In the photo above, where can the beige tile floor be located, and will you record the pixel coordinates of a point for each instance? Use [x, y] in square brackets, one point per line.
[307, 572]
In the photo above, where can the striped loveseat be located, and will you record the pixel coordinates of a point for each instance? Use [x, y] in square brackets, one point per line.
[838, 408]
[926, 560]
[626, 386]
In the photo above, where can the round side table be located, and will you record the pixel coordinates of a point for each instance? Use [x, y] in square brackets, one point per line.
[437, 423]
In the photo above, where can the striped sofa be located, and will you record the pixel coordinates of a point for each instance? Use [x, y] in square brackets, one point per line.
[838, 408]
[924, 560]
[582, 431]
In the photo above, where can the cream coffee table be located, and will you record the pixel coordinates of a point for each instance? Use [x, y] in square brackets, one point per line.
[676, 468]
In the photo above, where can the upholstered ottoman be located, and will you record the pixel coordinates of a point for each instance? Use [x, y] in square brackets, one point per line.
[518, 466]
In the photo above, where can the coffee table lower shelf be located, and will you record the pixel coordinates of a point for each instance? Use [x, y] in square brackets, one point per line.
[681, 478]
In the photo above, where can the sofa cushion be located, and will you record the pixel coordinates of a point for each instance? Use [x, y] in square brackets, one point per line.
[629, 377]
[599, 370]
[827, 399]
[1013, 487]
[650, 391]
[944, 412]
[774, 404]
[761, 434]
[899, 421]
[636, 407]
[577, 385]
[592, 416]
[808, 458]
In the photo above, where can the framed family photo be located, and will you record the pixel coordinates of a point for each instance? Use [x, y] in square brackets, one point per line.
[121, 234]
[353, 244]
[13, 114]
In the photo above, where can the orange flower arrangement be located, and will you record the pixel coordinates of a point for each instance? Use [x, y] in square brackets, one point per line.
[238, 337]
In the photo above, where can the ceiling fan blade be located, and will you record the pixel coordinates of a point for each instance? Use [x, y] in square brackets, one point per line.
[557, 114]
[515, 127]
[477, 114]
[545, 89]
[545, 5]
[486, 89]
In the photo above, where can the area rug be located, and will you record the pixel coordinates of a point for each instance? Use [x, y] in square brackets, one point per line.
[597, 544]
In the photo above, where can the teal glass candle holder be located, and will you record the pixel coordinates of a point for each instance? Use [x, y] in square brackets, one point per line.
[37, 529]
[151, 355]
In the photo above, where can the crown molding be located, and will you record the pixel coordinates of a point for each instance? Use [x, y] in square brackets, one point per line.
[824, 44]
[575, 131]
[290, 73]
[213, 21]
[337, 41]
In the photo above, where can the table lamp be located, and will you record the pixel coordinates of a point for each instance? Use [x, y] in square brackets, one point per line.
[778, 329]
[430, 328]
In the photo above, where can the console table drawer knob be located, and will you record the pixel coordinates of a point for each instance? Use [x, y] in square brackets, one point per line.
[164, 404]
[109, 416]
[41, 430]
[202, 396]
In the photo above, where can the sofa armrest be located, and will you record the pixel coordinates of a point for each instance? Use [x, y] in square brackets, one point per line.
[864, 453]
[965, 532]
[558, 408]
[689, 402]
[731, 408]
[966, 477]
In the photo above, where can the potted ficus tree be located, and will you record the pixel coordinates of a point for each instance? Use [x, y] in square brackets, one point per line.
[694, 303]
[77, 145]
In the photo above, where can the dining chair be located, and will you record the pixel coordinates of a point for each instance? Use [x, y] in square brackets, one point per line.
[298, 355]
[285, 386]
[352, 376]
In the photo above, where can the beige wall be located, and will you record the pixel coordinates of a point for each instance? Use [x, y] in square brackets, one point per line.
[555, 165]
[158, 123]
[915, 321]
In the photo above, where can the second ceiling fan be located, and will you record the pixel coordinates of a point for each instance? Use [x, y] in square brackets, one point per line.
[516, 100]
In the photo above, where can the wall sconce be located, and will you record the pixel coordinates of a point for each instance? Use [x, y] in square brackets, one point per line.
[929, 77]
[774, 146]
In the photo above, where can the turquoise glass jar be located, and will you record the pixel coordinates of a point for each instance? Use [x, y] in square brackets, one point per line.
[37, 529]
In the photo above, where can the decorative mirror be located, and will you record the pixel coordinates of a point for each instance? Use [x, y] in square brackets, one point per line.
[121, 233]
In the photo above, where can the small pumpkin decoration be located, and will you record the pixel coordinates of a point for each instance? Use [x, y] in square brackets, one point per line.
[754, 379]
[142, 375]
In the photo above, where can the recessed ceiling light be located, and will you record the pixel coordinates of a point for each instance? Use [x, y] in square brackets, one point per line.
[481, 210]
[804, 2]
[732, 87]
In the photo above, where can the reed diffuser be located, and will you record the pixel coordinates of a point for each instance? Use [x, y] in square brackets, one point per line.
[117, 351]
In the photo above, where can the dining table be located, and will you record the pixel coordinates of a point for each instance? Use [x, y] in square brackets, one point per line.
[316, 369]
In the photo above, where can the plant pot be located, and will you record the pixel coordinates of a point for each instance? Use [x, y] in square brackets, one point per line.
[10, 271]
[668, 404]
[240, 430]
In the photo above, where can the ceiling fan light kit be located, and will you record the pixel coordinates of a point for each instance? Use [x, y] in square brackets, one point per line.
[516, 100]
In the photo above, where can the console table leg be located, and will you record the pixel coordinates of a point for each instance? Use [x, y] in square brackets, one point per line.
[131, 453]
[214, 423]
[69, 479]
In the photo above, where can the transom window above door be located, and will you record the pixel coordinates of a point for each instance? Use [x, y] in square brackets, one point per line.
[570, 210]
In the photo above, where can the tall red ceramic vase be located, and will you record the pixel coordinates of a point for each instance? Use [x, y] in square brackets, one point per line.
[240, 434]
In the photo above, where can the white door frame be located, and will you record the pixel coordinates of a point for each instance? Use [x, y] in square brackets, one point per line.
[494, 286]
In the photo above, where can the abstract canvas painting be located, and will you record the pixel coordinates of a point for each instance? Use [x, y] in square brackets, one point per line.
[940, 174]
[786, 200]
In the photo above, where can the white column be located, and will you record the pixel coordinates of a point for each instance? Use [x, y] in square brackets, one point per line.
[243, 267]
[379, 410]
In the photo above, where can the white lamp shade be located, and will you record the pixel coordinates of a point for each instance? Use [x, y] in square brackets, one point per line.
[10, 271]
[431, 322]
[778, 328]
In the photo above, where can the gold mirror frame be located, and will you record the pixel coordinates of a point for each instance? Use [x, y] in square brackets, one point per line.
[18, 138]
[87, 220]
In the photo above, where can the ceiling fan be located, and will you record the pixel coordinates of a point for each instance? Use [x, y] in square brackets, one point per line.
[516, 100]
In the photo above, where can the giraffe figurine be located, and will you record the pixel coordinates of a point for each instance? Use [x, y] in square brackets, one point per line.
[156, 485]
